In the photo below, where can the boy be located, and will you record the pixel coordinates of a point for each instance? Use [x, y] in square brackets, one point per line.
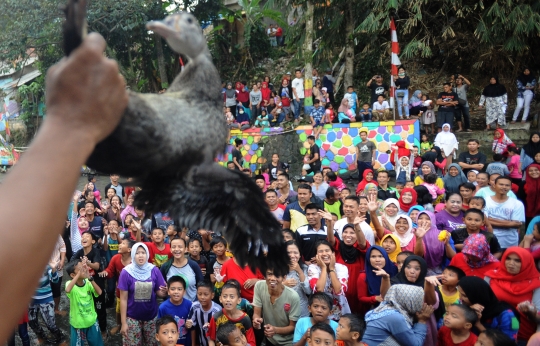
[288, 235]
[449, 280]
[202, 311]
[166, 331]
[178, 307]
[219, 248]
[479, 203]
[82, 316]
[230, 335]
[466, 190]
[353, 99]
[401, 257]
[237, 155]
[111, 241]
[194, 249]
[458, 321]
[230, 298]
[42, 302]
[159, 251]
[91, 258]
[318, 117]
[321, 334]
[320, 307]
[116, 264]
[365, 113]
[344, 193]
[497, 167]
[400, 186]
[474, 220]
[409, 185]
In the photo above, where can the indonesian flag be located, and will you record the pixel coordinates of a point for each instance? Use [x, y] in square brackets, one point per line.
[395, 62]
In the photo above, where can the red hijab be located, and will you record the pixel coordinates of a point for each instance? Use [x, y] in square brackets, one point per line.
[362, 185]
[501, 138]
[532, 190]
[406, 206]
[242, 95]
[401, 151]
[265, 91]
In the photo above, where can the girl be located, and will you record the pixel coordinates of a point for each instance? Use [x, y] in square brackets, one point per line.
[430, 181]
[231, 120]
[501, 142]
[413, 214]
[513, 165]
[426, 168]
[345, 115]
[369, 283]
[297, 278]
[475, 258]
[330, 115]
[529, 150]
[404, 169]
[448, 143]
[392, 245]
[453, 179]
[262, 120]
[428, 117]
[471, 176]
[425, 144]
[525, 85]
[496, 100]
[367, 176]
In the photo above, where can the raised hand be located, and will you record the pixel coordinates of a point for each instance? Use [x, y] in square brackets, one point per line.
[325, 215]
[103, 274]
[219, 277]
[372, 203]
[421, 230]
[434, 280]
[358, 220]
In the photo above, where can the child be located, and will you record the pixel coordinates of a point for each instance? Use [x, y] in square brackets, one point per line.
[365, 113]
[409, 185]
[219, 248]
[404, 169]
[417, 159]
[166, 331]
[471, 176]
[353, 99]
[231, 120]
[320, 307]
[429, 182]
[111, 240]
[202, 311]
[344, 193]
[494, 337]
[321, 334]
[82, 316]
[501, 142]
[288, 235]
[42, 302]
[458, 322]
[230, 298]
[532, 242]
[400, 185]
[425, 144]
[178, 307]
[159, 251]
[318, 118]
[172, 232]
[265, 172]
[350, 330]
[466, 190]
[449, 279]
[335, 181]
[262, 119]
[194, 249]
[331, 115]
[428, 117]
[513, 165]
[230, 335]
[479, 203]
[497, 166]
[474, 220]
[401, 257]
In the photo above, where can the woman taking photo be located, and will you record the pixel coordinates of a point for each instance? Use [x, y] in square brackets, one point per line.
[140, 283]
[525, 87]
[495, 98]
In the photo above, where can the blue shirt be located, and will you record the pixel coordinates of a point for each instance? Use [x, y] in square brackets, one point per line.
[180, 314]
[303, 324]
[317, 113]
[394, 325]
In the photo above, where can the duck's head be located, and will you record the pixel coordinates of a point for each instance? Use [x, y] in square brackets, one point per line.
[182, 32]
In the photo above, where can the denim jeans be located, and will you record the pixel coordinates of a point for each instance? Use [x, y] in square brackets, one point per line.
[280, 118]
[523, 102]
[403, 102]
[297, 105]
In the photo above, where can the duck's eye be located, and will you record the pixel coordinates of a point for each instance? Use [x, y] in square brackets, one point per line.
[189, 20]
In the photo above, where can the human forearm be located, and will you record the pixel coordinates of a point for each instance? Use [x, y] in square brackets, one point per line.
[123, 306]
[385, 286]
[504, 223]
[96, 287]
[284, 330]
[321, 282]
[419, 247]
[72, 283]
[93, 265]
[336, 284]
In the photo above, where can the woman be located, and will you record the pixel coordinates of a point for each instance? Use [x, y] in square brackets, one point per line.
[265, 93]
[425, 169]
[453, 179]
[392, 323]
[114, 210]
[416, 104]
[317, 93]
[404, 231]
[525, 86]
[496, 100]
[528, 151]
[516, 282]
[424, 197]
[331, 278]
[389, 214]
[242, 95]
[448, 143]
[183, 266]
[139, 284]
[297, 277]
[407, 199]
[369, 283]
[363, 211]
[367, 177]
[436, 252]
[344, 113]
[532, 190]
[413, 214]
[230, 98]
[129, 209]
[492, 313]
[402, 83]
[451, 217]
[500, 142]
[319, 186]
[270, 84]
[475, 259]
[436, 157]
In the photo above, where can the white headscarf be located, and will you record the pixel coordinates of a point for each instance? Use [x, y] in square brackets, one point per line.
[446, 140]
[391, 219]
[404, 239]
[139, 272]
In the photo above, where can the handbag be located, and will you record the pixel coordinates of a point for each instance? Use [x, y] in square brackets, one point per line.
[400, 94]
[462, 102]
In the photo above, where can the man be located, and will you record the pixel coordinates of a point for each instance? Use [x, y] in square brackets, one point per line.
[384, 191]
[314, 75]
[380, 109]
[279, 35]
[472, 159]
[295, 213]
[365, 155]
[461, 87]
[276, 166]
[378, 88]
[505, 214]
[271, 32]
[351, 205]
[271, 199]
[285, 193]
[278, 306]
[490, 190]
[329, 83]
[115, 185]
[231, 165]
[285, 92]
[260, 182]
[314, 156]
[298, 95]
[237, 154]
[447, 101]
[307, 236]
[255, 99]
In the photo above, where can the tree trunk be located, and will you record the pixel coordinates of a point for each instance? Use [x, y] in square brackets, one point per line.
[161, 62]
[349, 48]
[307, 54]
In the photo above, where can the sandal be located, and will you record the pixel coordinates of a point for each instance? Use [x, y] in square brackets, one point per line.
[468, 130]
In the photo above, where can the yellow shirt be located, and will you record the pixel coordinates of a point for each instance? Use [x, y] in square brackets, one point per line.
[449, 300]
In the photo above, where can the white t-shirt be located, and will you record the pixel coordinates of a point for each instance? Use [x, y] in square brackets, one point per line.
[298, 84]
[366, 229]
[511, 210]
[380, 106]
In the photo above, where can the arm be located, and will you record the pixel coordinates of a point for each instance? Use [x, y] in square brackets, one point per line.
[73, 281]
[360, 237]
[123, 311]
[504, 223]
[96, 287]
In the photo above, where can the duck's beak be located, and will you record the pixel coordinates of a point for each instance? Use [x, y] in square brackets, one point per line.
[159, 28]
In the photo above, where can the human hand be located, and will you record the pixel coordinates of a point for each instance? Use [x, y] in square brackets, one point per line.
[325, 215]
[124, 330]
[379, 299]
[250, 283]
[189, 324]
[433, 280]
[269, 330]
[162, 291]
[86, 91]
[332, 265]
[53, 264]
[421, 230]
[528, 239]
[106, 230]
[372, 203]
[381, 272]
[424, 314]
[527, 308]
[358, 220]
[103, 274]
[290, 282]
[257, 322]
[320, 262]
[478, 309]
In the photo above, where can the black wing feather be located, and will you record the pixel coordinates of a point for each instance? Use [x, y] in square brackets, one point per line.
[74, 26]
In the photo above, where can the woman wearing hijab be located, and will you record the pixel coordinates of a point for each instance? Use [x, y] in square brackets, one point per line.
[367, 178]
[436, 252]
[404, 231]
[242, 95]
[407, 199]
[528, 151]
[448, 143]
[230, 98]
[496, 100]
[369, 283]
[500, 142]
[426, 168]
[525, 86]
[517, 283]
[392, 323]
[475, 259]
[453, 179]
[389, 214]
[416, 103]
[476, 293]
[532, 191]
[392, 245]
[413, 214]
[140, 283]
[345, 115]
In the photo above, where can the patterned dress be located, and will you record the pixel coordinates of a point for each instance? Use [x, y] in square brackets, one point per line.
[495, 109]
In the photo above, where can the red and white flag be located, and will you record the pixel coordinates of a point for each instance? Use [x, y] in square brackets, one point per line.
[395, 62]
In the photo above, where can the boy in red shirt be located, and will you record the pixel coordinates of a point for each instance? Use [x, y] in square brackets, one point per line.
[159, 251]
[458, 322]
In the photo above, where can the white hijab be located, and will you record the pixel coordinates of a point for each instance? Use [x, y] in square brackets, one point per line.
[446, 140]
[406, 238]
[139, 272]
[391, 219]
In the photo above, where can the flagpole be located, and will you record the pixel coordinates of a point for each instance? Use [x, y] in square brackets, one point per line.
[394, 63]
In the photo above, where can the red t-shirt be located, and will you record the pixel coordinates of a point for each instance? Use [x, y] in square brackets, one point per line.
[243, 323]
[231, 270]
[114, 269]
[279, 32]
[157, 256]
[445, 339]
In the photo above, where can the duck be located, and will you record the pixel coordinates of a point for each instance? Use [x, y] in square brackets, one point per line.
[168, 144]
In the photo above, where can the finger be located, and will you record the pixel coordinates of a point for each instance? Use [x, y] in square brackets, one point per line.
[95, 42]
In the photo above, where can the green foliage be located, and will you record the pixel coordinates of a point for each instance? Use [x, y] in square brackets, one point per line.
[30, 97]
